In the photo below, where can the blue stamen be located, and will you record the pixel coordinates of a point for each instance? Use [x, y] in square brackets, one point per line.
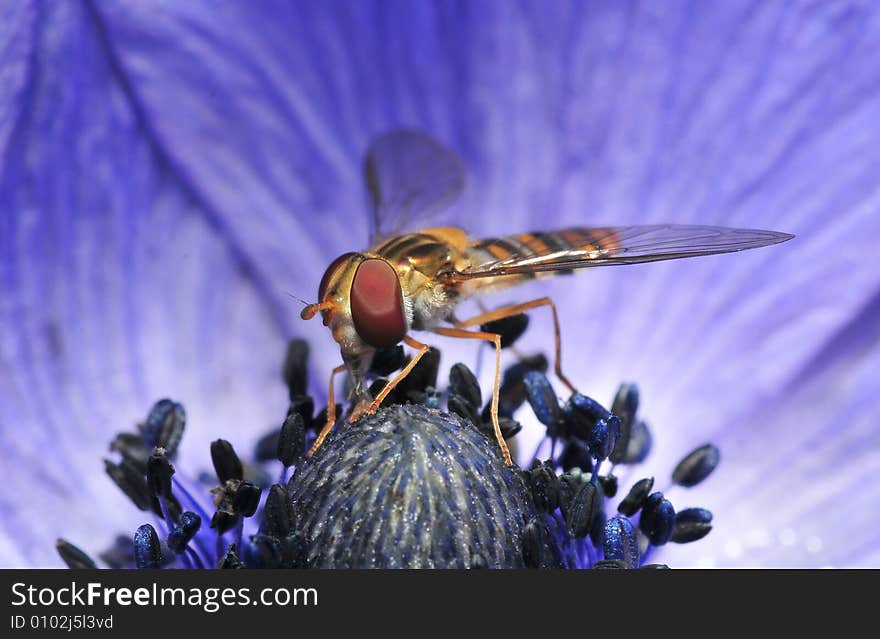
[164, 426]
[696, 466]
[147, 553]
[542, 398]
[621, 542]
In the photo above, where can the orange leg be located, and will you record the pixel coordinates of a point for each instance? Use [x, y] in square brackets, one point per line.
[516, 309]
[331, 413]
[374, 405]
[392, 383]
[495, 338]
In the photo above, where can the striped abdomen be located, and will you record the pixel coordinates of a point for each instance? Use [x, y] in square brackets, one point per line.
[541, 248]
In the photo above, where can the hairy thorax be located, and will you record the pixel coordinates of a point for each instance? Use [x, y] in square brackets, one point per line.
[420, 260]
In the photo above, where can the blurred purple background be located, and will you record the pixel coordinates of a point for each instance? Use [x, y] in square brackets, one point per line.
[172, 172]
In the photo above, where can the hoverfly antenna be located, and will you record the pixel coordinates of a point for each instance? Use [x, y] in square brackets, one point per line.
[298, 299]
[313, 309]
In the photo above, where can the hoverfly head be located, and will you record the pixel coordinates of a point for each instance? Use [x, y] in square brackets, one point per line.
[332, 283]
[362, 294]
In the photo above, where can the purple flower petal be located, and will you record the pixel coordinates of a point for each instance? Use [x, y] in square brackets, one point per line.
[798, 485]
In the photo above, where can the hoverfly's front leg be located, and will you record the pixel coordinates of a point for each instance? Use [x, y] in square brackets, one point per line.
[516, 309]
[331, 413]
[373, 406]
[495, 338]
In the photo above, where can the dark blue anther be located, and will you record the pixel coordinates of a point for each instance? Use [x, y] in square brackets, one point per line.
[458, 405]
[621, 541]
[295, 551]
[581, 414]
[159, 473]
[416, 388]
[658, 519]
[227, 465]
[636, 496]
[544, 486]
[222, 521]
[291, 440]
[74, 557]
[278, 513]
[691, 524]
[535, 542]
[388, 360]
[568, 484]
[295, 370]
[580, 511]
[598, 439]
[609, 485]
[700, 515]
[246, 498]
[639, 446]
[603, 436]
[626, 402]
[576, 455]
[133, 448]
[541, 397]
[649, 507]
[183, 533]
[696, 466]
[625, 406]
[463, 382]
[266, 448]
[512, 393]
[423, 375]
[509, 427]
[509, 328]
[165, 425]
[147, 550]
[230, 559]
[613, 433]
[130, 480]
[305, 406]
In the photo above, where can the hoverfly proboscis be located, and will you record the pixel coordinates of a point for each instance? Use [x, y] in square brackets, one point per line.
[373, 299]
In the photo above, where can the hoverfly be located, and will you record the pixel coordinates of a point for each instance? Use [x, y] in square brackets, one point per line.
[371, 300]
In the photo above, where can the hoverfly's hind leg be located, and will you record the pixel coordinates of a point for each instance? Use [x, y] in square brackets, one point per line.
[394, 381]
[495, 338]
[516, 309]
[331, 413]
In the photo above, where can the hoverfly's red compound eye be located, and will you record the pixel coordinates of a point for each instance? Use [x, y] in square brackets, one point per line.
[377, 304]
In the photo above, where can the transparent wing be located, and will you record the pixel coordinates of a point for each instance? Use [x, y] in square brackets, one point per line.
[585, 247]
[409, 177]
